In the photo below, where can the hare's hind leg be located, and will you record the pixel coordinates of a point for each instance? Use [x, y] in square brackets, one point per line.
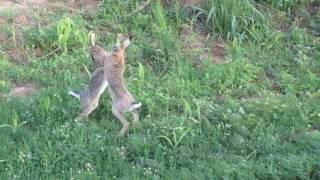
[120, 115]
[88, 110]
[87, 106]
[135, 116]
[89, 99]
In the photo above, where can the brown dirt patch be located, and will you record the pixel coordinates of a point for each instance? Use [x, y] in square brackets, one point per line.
[18, 55]
[183, 3]
[3, 37]
[189, 3]
[22, 20]
[20, 5]
[23, 8]
[28, 5]
[37, 52]
[22, 90]
[218, 53]
[202, 45]
[195, 43]
[15, 48]
[2, 22]
[73, 5]
[88, 5]
[22, 15]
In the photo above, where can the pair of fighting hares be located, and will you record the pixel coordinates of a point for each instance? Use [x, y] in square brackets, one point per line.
[109, 69]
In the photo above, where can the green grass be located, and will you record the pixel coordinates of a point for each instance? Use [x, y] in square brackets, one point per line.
[231, 19]
[257, 116]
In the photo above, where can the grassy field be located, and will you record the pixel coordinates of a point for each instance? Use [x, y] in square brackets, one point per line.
[230, 90]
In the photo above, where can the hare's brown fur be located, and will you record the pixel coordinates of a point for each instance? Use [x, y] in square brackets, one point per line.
[109, 72]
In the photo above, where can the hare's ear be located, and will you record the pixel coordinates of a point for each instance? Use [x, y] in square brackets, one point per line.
[127, 41]
[92, 38]
[118, 40]
[119, 36]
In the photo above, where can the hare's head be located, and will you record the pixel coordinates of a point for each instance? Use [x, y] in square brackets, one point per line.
[121, 44]
[97, 53]
[127, 40]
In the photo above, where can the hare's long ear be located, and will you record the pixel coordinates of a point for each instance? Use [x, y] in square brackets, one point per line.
[92, 36]
[127, 41]
[118, 43]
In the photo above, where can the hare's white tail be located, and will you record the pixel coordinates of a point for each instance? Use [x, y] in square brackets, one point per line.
[135, 106]
[92, 38]
[74, 94]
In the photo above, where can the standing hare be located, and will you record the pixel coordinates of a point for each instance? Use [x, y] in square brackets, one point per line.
[109, 72]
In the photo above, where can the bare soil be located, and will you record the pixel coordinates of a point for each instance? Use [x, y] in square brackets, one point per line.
[18, 15]
[22, 90]
[183, 3]
[218, 53]
[203, 45]
[27, 5]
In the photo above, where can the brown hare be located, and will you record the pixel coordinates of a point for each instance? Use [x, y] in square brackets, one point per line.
[109, 69]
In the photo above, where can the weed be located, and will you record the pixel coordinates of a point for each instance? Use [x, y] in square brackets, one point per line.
[164, 34]
[286, 4]
[231, 18]
[60, 35]
[15, 125]
[64, 28]
[14, 36]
